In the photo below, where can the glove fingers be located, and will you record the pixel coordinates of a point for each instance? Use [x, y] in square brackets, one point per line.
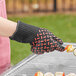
[56, 38]
[52, 45]
[58, 46]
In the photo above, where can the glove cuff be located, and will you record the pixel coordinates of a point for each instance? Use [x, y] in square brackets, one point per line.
[24, 33]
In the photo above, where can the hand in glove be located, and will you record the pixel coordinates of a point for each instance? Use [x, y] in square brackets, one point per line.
[40, 39]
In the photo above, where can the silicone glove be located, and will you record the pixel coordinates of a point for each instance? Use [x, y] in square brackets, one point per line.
[40, 39]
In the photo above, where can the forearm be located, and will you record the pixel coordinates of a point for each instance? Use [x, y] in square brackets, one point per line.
[7, 27]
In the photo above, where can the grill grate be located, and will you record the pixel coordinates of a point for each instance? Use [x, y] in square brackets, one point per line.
[48, 62]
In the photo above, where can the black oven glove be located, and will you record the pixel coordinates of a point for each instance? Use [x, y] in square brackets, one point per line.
[40, 39]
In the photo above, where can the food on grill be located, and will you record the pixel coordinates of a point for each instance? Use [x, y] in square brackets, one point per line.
[71, 74]
[48, 74]
[39, 74]
[59, 74]
[51, 74]
[69, 48]
[74, 52]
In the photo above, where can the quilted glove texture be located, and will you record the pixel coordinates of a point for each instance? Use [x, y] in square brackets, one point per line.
[40, 39]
